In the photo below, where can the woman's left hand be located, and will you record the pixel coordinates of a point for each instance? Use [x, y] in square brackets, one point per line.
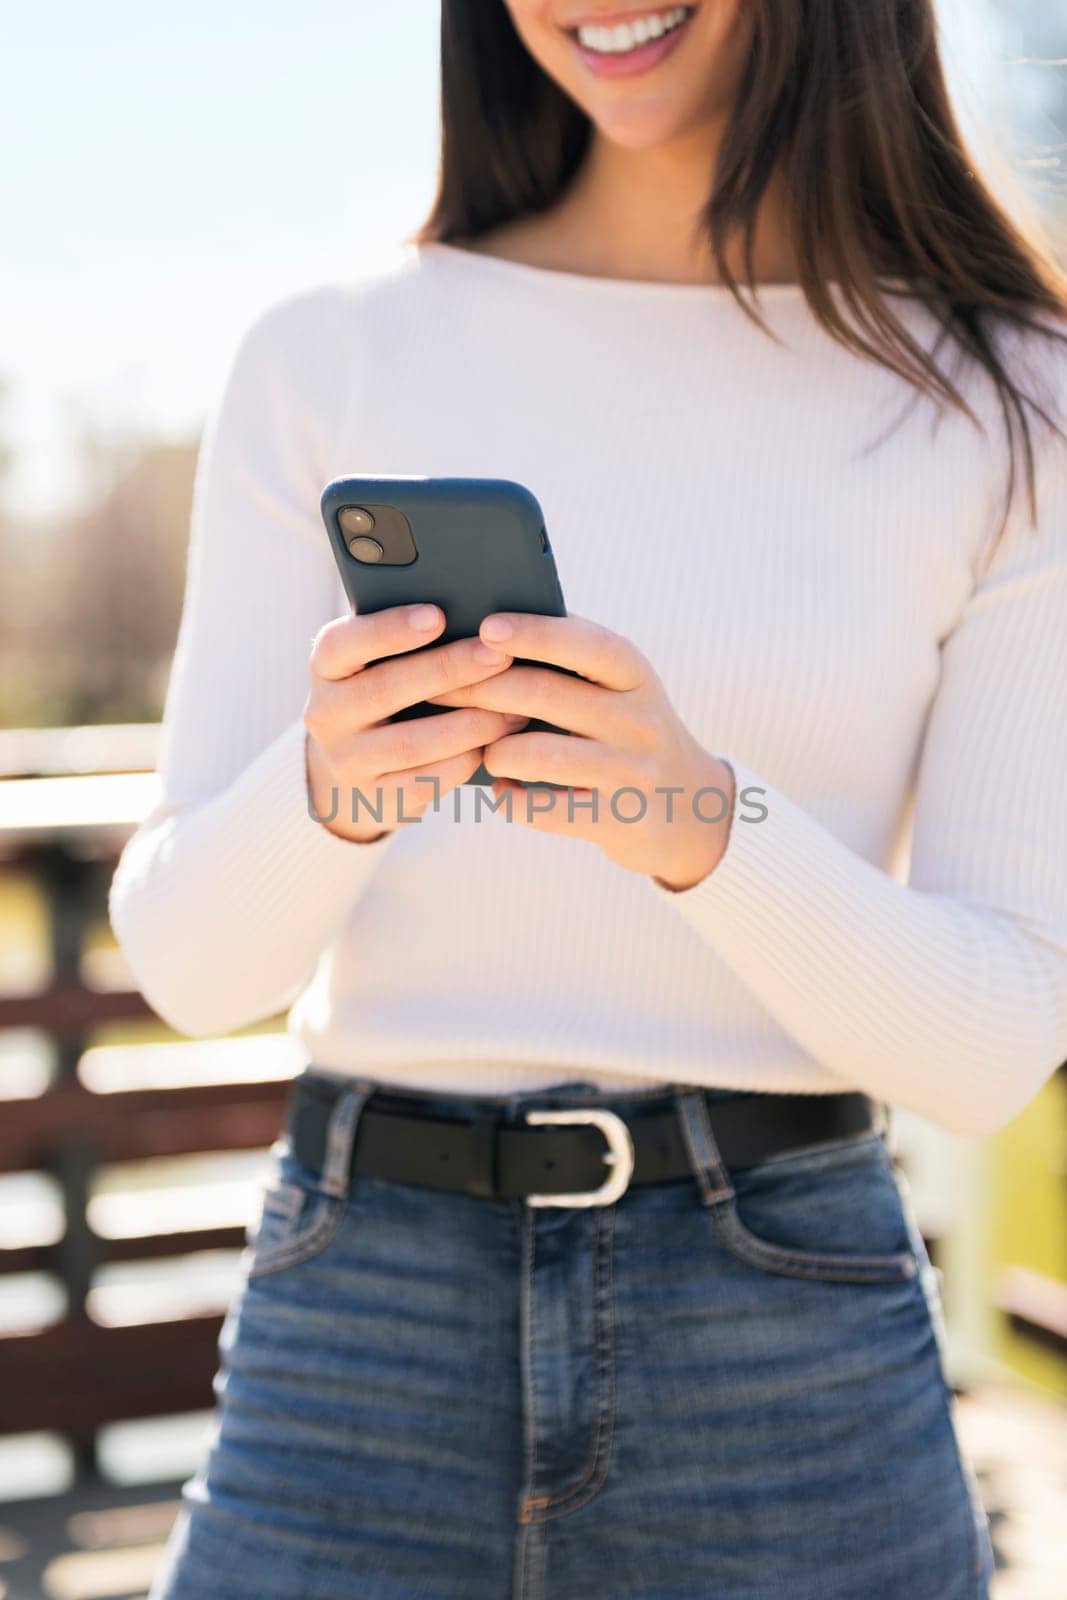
[624, 736]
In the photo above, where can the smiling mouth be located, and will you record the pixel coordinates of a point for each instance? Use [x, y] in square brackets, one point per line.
[623, 38]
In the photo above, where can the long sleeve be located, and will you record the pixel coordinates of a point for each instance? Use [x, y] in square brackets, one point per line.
[946, 994]
[229, 890]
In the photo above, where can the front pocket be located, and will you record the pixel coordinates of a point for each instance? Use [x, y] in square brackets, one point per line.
[296, 1220]
[832, 1213]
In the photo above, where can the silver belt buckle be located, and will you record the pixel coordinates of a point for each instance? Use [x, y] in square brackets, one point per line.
[619, 1155]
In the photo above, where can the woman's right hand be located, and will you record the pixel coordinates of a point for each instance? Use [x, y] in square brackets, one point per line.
[351, 745]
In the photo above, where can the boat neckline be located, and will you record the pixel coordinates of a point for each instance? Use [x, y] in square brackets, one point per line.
[525, 271]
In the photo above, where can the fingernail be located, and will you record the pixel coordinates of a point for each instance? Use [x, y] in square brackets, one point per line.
[496, 628]
[424, 617]
[482, 652]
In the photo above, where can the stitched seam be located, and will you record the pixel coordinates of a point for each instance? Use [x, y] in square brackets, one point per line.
[530, 1560]
[563, 1494]
[537, 1561]
[529, 1240]
[565, 1501]
[590, 1464]
[304, 1246]
[605, 1371]
[283, 1198]
[521, 1554]
[748, 1246]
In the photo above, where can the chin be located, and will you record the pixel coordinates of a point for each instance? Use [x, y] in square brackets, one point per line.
[640, 128]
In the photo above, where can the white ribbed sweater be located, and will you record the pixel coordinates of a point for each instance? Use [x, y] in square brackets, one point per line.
[827, 612]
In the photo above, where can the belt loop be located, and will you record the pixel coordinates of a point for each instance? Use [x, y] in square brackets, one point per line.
[704, 1155]
[341, 1133]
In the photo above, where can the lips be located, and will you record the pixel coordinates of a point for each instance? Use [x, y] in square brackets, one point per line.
[624, 46]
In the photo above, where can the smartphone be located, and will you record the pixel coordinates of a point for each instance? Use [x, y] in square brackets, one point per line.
[469, 545]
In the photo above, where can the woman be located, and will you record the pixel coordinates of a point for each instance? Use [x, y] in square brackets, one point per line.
[814, 549]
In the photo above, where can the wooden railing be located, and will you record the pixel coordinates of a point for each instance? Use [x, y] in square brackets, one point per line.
[76, 1375]
[65, 831]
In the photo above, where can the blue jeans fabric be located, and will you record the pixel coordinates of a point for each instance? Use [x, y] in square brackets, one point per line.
[729, 1385]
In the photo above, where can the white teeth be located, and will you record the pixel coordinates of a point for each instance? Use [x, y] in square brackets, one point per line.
[626, 36]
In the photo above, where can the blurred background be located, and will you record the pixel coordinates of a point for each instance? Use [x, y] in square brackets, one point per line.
[170, 172]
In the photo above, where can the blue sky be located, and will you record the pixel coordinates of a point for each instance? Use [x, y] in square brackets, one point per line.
[170, 170]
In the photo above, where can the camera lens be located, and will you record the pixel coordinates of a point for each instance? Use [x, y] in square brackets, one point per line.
[354, 519]
[365, 549]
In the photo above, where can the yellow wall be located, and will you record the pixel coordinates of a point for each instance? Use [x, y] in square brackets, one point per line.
[1027, 1168]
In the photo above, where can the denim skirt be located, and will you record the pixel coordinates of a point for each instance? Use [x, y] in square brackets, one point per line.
[728, 1385]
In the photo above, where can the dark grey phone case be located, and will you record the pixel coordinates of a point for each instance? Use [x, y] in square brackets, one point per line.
[482, 546]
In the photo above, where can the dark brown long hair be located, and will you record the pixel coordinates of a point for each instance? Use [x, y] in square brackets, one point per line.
[848, 99]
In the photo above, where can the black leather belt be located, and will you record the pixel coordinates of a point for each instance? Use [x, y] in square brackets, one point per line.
[565, 1156]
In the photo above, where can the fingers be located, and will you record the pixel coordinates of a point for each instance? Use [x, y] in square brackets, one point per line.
[584, 708]
[378, 691]
[419, 742]
[563, 811]
[391, 686]
[561, 758]
[346, 644]
[410, 792]
[585, 647]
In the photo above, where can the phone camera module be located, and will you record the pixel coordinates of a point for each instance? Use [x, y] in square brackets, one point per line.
[392, 544]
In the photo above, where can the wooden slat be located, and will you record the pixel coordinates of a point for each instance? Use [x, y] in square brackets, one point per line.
[28, 1258]
[77, 1376]
[70, 1009]
[155, 1246]
[137, 1124]
[139, 1247]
